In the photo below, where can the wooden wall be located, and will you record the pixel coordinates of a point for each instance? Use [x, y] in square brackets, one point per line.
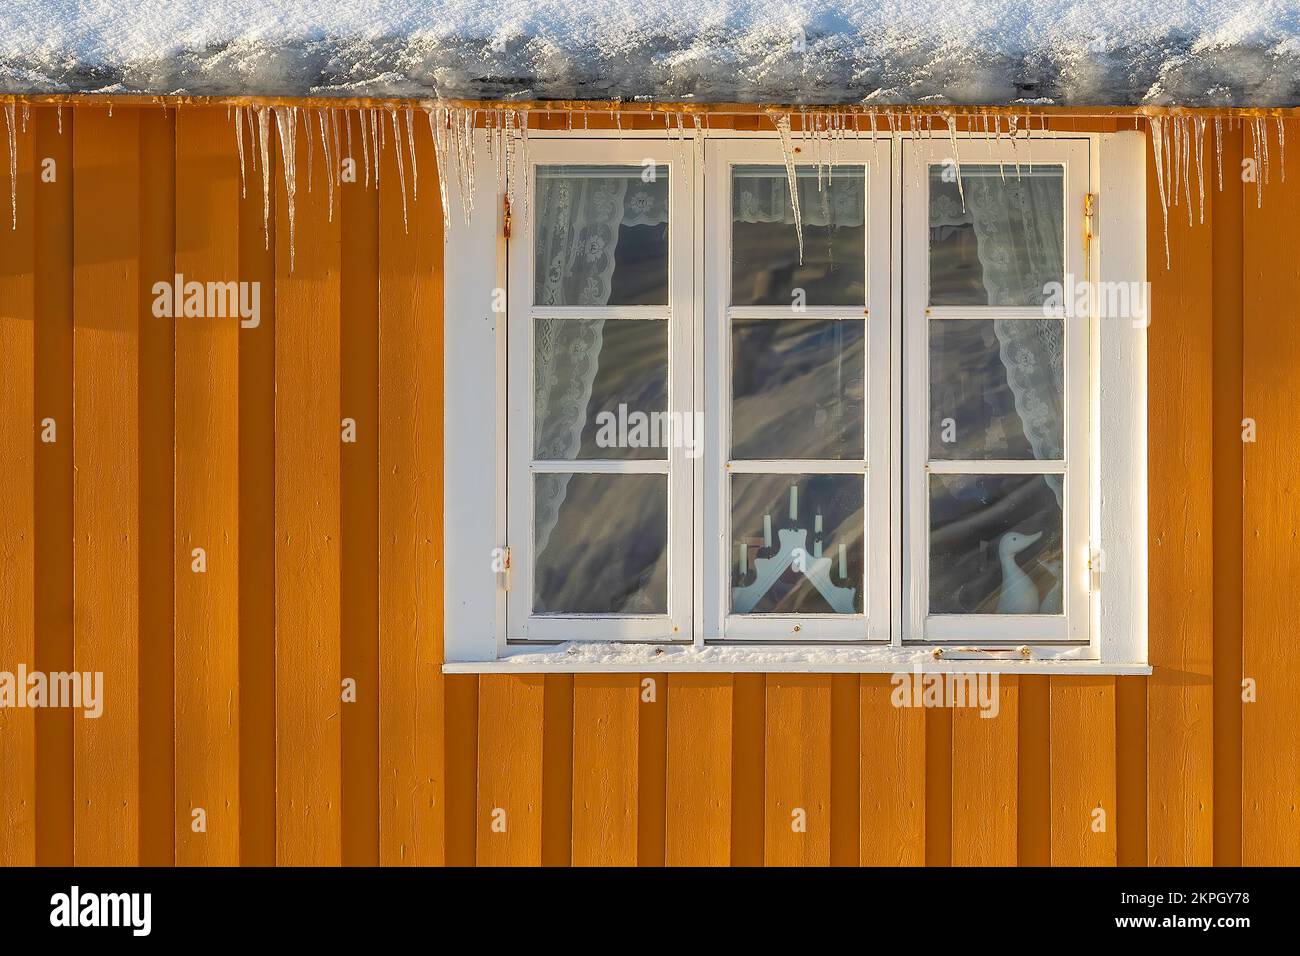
[223, 688]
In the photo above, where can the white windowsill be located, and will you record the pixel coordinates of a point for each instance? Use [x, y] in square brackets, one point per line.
[661, 658]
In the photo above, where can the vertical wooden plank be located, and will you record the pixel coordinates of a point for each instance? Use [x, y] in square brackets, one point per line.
[510, 714]
[410, 504]
[605, 764]
[699, 770]
[106, 310]
[748, 732]
[1180, 698]
[893, 777]
[52, 227]
[557, 781]
[18, 510]
[846, 770]
[1131, 771]
[797, 751]
[1270, 749]
[157, 381]
[257, 238]
[461, 740]
[984, 777]
[359, 208]
[307, 565]
[1229, 494]
[938, 786]
[652, 770]
[1083, 771]
[207, 492]
[1033, 784]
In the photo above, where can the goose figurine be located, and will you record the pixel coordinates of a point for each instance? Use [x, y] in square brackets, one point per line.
[1018, 594]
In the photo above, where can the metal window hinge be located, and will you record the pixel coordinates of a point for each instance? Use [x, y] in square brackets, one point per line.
[1096, 565]
[505, 216]
[1089, 228]
[505, 571]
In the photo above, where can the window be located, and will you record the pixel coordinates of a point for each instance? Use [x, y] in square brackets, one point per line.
[704, 424]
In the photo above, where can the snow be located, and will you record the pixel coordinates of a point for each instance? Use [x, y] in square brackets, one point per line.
[980, 52]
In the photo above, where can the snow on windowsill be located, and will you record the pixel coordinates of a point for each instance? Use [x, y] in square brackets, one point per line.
[580, 658]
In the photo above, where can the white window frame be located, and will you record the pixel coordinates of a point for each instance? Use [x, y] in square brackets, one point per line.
[476, 411]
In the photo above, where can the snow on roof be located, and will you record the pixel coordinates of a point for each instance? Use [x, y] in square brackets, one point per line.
[985, 52]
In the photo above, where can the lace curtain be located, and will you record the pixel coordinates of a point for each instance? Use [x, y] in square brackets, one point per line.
[762, 194]
[1019, 231]
[578, 217]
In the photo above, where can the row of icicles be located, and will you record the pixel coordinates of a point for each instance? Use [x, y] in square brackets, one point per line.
[1178, 144]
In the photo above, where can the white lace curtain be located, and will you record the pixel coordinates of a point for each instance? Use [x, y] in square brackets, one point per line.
[1019, 232]
[762, 194]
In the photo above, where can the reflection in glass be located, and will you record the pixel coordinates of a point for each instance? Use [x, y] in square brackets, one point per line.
[996, 388]
[601, 544]
[995, 544]
[600, 388]
[765, 264]
[601, 236]
[1000, 239]
[797, 387]
[796, 543]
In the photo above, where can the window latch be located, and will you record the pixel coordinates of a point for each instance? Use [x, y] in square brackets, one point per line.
[505, 216]
[505, 570]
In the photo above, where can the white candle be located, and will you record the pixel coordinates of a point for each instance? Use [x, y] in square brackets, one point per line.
[744, 558]
[794, 502]
[817, 523]
[817, 548]
[767, 531]
[844, 563]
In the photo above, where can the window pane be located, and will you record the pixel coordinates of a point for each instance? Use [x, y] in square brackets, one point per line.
[765, 266]
[600, 389]
[798, 388]
[601, 544]
[796, 544]
[996, 388]
[995, 544]
[601, 235]
[1001, 243]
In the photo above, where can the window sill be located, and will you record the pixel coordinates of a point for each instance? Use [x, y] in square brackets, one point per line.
[660, 658]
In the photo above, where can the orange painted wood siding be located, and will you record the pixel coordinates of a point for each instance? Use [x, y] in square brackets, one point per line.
[224, 690]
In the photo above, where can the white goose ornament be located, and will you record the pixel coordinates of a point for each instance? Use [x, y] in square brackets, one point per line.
[1018, 594]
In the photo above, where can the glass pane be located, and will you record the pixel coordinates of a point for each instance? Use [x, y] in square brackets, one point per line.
[995, 544]
[798, 387]
[601, 235]
[999, 239]
[601, 544]
[796, 544]
[766, 268]
[996, 388]
[600, 389]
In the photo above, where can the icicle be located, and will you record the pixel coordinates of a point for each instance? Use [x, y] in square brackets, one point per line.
[376, 139]
[1199, 141]
[1187, 170]
[699, 144]
[365, 144]
[951, 120]
[239, 145]
[437, 120]
[347, 122]
[410, 139]
[60, 110]
[1281, 147]
[1263, 140]
[11, 123]
[401, 165]
[337, 171]
[787, 151]
[524, 163]
[1158, 150]
[1218, 148]
[329, 164]
[286, 119]
[264, 144]
[1259, 179]
[27, 111]
[306, 115]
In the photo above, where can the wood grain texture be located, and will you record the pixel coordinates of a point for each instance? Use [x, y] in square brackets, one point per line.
[1180, 462]
[307, 439]
[699, 769]
[1033, 772]
[893, 765]
[605, 769]
[18, 423]
[938, 786]
[461, 716]
[1270, 759]
[1131, 823]
[748, 734]
[846, 770]
[106, 491]
[557, 781]
[509, 820]
[411, 684]
[797, 760]
[984, 783]
[52, 235]
[652, 771]
[207, 496]
[1083, 771]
